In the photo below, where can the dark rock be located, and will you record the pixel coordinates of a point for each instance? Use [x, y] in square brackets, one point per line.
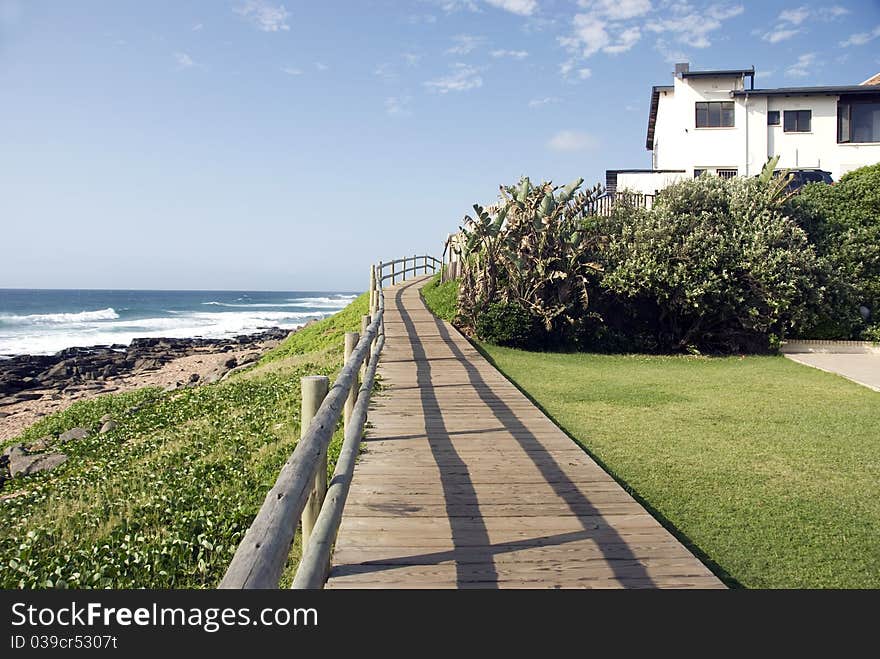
[25, 465]
[73, 433]
[194, 377]
[232, 362]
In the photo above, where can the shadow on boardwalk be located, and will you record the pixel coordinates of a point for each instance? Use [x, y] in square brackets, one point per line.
[521, 505]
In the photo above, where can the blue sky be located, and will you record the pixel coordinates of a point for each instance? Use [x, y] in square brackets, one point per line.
[252, 144]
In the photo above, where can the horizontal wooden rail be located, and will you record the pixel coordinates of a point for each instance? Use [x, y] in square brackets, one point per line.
[312, 571]
[420, 262]
[263, 552]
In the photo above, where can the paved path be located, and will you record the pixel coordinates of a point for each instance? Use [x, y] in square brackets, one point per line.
[465, 483]
[861, 368]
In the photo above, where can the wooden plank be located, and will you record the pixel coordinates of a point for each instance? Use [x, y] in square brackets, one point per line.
[464, 483]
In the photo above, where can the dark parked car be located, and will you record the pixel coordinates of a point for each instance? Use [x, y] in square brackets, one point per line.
[800, 177]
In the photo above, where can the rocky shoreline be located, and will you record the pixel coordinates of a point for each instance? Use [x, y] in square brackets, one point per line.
[32, 386]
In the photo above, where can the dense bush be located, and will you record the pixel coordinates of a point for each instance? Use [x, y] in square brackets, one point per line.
[533, 253]
[715, 266]
[843, 222]
[507, 324]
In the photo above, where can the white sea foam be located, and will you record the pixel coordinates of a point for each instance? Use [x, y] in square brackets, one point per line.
[48, 338]
[59, 318]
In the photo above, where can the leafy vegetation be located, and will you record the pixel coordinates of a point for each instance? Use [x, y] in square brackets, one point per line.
[530, 252]
[441, 298]
[715, 266]
[843, 222]
[767, 468]
[163, 500]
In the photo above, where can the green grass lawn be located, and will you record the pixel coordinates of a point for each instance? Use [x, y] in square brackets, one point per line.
[163, 500]
[442, 299]
[768, 469]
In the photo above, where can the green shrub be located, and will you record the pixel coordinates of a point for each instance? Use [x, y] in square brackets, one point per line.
[508, 324]
[714, 267]
[843, 222]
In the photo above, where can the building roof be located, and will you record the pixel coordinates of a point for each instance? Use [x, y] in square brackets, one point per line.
[718, 73]
[645, 171]
[873, 80]
[652, 112]
[808, 91]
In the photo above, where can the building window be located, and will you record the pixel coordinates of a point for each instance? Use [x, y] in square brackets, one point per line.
[797, 121]
[858, 121]
[773, 118]
[699, 172]
[727, 173]
[717, 114]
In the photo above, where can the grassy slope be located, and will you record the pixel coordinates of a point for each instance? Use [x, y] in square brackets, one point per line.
[163, 500]
[771, 469]
[442, 299]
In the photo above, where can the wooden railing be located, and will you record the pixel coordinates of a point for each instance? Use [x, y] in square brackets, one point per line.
[604, 204]
[301, 492]
[423, 264]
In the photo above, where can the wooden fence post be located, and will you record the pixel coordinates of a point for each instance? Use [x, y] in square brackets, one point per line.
[351, 341]
[314, 389]
[393, 272]
[365, 323]
[372, 286]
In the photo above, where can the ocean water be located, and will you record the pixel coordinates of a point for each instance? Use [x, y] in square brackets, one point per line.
[46, 321]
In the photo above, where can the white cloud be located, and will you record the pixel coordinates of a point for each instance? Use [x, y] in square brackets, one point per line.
[462, 78]
[795, 16]
[321, 66]
[197, 27]
[693, 26]
[669, 53]
[519, 7]
[801, 68]
[265, 16]
[184, 61]
[292, 71]
[465, 43]
[513, 54]
[779, 34]
[450, 6]
[571, 140]
[569, 70]
[541, 102]
[398, 105]
[861, 38]
[830, 13]
[625, 40]
[588, 37]
[761, 74]
[617, 10]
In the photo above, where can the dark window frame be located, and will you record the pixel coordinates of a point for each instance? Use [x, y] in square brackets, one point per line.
[845, 120]
[799, 118]
[713, 114]
[773, 118]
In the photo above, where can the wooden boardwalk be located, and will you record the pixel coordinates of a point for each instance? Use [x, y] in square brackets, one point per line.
[464, 483]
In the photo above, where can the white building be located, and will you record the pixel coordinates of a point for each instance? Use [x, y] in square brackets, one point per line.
[713, 121]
